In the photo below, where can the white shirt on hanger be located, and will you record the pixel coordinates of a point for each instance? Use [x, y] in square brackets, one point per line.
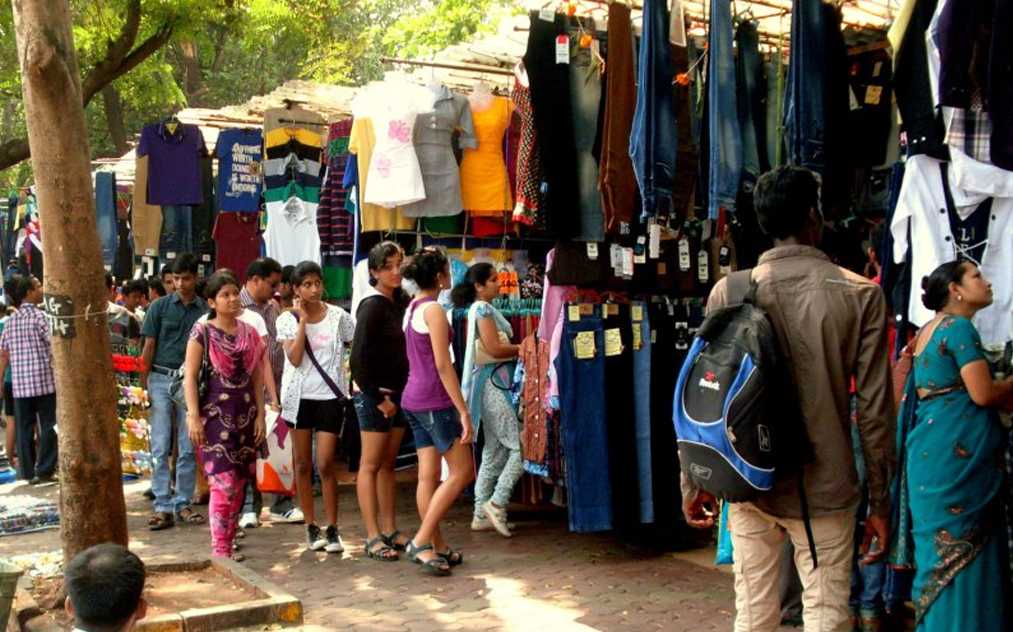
[292, 236]
[921, 206]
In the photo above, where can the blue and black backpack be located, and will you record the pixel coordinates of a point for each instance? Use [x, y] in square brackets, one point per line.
[737, 419]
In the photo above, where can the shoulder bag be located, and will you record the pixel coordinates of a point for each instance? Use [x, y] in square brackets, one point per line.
[177, 391]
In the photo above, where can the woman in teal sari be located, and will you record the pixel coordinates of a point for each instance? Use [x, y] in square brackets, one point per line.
[951, 455]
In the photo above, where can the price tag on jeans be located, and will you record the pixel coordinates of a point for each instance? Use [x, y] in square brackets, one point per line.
[150, 252]
[548, 14]
[654, 240]
[684, 260]
[170, 255]
[563, 49]
[703, 267]
[640, 251]
[573, 313]
[205, 258]
[725, 260]
[616, 258]
[613, 342]
[638, 337]
[654, 336]
[637, 312]
[583, 345]
[682, 337]
[628, 262]
[592, 250]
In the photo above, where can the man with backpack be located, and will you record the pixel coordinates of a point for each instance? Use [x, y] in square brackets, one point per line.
[829, 325]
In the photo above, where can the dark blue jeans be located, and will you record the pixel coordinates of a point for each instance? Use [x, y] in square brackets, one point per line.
[642, 406]
[585, 436]
[29, 411]
[803, 103]
[725, 140]
[105, 215]
[751, 93]
[177, 231]
[653, 139]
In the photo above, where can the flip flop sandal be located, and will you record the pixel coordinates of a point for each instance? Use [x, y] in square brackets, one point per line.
[161, 521]
[189, 516]
[383, 553]
[437, 567]
[390, 539]
[452, 557]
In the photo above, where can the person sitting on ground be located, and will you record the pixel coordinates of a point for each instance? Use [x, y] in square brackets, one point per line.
[104, 589]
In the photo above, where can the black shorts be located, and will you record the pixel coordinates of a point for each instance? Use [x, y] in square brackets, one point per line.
[8, 399]
[370, 417]
[321, 415]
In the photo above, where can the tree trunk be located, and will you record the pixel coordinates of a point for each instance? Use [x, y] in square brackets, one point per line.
[193, 82]
[114, 118]
[92, 508]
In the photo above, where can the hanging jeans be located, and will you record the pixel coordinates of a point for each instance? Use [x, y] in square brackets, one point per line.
[642, 409]
[105, 215]
[803, 103]
[619, 410]
[585, 98]
[724, 139]
[550, 95]
[177, 231]
[585, 438]
[227, 490]
[751, 90]
[653, 139]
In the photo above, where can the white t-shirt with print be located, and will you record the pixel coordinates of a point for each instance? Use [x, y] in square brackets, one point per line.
[329, 349]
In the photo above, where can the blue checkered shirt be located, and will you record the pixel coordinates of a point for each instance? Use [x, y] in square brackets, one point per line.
[25, 339]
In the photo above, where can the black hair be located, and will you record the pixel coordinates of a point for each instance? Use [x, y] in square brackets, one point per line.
[214, 284]
[263, 268]
[110, 282]
[154, 283]
[135, 285]
[305, 269]
[18, 288]
[464, 293]
[185, 263]
[936, 286]
[783, 199]
[425, 267]
[166, 269]
[379, 254]
[104, 583]
[286, 274]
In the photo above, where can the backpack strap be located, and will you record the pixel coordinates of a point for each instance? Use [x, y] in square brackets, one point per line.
[741, 287]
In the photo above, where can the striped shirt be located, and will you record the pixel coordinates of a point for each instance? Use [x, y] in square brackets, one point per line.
[25, 339]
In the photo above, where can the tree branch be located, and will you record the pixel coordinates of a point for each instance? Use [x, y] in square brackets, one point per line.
[13, 151]
[115, 52]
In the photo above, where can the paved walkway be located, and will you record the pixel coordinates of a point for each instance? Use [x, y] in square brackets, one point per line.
[544, 578]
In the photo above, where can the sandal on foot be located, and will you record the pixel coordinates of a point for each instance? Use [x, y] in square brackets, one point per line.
[436, 567]
[391, 540]
[161, 521]
[237, 557]
[383, 553]
[189, 516]
[452, 557]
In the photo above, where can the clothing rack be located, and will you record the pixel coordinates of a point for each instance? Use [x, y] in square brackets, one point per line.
[492, 70]
[298, 122]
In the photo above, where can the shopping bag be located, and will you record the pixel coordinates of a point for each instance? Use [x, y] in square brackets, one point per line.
[724, 553]
[275, 474]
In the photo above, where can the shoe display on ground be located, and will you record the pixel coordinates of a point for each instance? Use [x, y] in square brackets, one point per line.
[315, 539]
[497, 518]
[249, 520]
[334, 544]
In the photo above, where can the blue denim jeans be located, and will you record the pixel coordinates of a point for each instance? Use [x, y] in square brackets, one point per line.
[803, 102]
[166, 418]
[585, 436]
[105, 215]
[585, 99]
[724, 139]
[751, 93]
[653, 139]
[642, 408]
[177, 230]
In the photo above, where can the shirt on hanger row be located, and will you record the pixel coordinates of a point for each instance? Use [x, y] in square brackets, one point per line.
[922, 207]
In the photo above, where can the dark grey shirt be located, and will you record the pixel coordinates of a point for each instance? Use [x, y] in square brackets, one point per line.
[168, 321]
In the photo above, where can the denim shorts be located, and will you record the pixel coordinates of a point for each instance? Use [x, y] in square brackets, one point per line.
[370, 417]
[435, 429]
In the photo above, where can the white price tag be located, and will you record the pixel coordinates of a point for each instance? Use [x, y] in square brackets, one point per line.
[563, 49]
[205, 258]
[654, 240]
[628, 262]
[703, 267]
[150, 252]
[640, 252]
[170, 255]
[592, 250]
[684, 261]
[548, 14]
[616, 258]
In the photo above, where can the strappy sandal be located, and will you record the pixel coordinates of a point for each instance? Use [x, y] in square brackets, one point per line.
[452, 557]
[161, 521]
[391, 540]
[189, 516]
[385, 553]
[437, 567]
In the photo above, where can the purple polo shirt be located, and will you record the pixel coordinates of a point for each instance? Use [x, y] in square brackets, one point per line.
[173, 163]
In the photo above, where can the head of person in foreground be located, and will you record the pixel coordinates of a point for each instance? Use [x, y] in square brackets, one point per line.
[104, 585]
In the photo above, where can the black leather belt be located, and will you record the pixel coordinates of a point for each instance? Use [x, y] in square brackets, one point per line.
[164, 370]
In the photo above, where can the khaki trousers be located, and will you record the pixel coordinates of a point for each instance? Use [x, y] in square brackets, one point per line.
[758, 540]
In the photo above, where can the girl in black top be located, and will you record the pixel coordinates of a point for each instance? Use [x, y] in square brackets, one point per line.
[380, 372]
